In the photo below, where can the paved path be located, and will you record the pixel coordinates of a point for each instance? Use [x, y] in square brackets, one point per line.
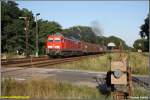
[72, 76]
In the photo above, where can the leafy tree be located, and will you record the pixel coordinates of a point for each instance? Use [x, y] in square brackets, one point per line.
[145, 28]
[140, 44]
[10, 26]
[144, 33]
[13, 33]
[117, 41]
[102, 40]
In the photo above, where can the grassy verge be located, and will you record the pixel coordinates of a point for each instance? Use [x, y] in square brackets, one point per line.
[138, 62]
[48, 89]
[139, 91]
[52, 89]
[11, 56]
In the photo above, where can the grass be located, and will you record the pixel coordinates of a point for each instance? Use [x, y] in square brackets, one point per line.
[95, 64]
[48, 89]
[52, 89]
[11, 55]
[140, 91]
[138, 62]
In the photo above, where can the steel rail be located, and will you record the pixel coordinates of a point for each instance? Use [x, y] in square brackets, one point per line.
[44, 63]
[21, 60]
[140, 82]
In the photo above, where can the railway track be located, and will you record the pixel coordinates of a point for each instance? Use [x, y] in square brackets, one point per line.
[22, 60]
[142, 81]
[44, 62]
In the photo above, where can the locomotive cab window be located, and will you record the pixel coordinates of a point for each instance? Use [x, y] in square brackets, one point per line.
[57, 39]
[50, 39]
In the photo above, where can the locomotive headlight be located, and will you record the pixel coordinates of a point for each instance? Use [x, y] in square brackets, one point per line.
[57, 47]
[117, 73]
[49, 46]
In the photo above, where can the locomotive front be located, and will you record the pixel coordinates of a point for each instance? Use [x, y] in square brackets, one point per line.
[54, 45]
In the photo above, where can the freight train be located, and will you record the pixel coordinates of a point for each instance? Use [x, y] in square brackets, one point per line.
[59, 45]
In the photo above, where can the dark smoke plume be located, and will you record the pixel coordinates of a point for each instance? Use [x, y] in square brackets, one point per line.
[97, 28]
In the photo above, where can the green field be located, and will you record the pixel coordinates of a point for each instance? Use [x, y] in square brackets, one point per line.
[137, 61]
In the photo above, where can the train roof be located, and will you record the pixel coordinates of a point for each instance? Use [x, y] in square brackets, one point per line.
[65, 36]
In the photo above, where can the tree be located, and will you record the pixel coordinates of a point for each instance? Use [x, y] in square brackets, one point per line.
[145, 28]
[144, 33]
[13, 33]
[10, 26]
[140, 44]
[117, 41]
[102, 40]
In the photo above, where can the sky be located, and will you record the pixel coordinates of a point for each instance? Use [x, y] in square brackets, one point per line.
[119, 18]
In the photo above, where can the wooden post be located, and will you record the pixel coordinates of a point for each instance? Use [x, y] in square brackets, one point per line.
[121, 75]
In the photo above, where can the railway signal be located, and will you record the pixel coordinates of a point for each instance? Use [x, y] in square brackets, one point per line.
[37, 44]
[26, 34]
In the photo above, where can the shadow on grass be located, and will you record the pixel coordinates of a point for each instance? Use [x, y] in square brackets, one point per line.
[104, 85]
[103, 89]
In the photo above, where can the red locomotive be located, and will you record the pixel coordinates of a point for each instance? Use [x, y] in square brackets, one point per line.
[58, 45]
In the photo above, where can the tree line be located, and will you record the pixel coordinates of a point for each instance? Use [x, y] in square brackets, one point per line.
[13, 29]
[13, 33]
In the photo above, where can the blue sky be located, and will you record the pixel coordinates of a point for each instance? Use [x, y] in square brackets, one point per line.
[118, 18]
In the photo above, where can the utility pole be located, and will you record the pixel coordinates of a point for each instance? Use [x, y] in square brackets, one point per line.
[37, 46]
[26, 34]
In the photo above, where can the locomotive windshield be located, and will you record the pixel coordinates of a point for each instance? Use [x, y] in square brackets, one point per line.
[50, 39]
[57, 39]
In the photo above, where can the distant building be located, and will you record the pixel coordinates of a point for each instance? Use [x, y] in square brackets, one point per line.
[139, 50]
[111, 46]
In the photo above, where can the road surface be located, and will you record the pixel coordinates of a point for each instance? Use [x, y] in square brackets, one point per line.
[73, 76]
